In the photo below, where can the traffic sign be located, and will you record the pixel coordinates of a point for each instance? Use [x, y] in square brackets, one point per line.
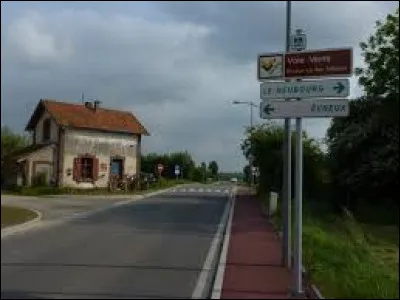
[160, 168]
[177, 170]
[332, 88]
[298, 41]
[321, 108]
[319, 63]
[270, 66]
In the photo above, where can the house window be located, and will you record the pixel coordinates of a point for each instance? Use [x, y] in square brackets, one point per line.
[46, 129]
[86, 168]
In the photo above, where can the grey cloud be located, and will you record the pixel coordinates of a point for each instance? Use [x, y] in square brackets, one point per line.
[179, 73]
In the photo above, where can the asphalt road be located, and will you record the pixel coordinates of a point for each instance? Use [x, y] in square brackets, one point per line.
[151, 248]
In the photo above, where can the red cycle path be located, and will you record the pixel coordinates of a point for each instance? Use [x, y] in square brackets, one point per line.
[253, 265]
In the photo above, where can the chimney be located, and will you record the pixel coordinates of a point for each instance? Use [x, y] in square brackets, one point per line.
[96, 104]
[88, 104]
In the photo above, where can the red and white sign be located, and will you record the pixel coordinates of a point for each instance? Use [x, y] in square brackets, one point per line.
[319, 63]
[160, 168]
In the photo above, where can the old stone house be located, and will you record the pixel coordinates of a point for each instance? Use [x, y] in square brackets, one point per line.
[78, 145]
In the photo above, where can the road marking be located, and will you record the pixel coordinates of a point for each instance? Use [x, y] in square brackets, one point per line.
[199, 290]
[201, 190]
[218, 190]
[209, 190]
[219, 278]
[191, 190]
[183, 190]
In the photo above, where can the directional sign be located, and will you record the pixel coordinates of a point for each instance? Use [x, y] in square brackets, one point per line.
[319, 63]
[321, 108]
[305, 64]
[332, 88]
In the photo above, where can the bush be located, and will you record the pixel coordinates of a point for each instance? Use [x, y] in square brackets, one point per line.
[40, 179]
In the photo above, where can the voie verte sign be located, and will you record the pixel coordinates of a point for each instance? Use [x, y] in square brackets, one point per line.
[320, 63]
[306, 64]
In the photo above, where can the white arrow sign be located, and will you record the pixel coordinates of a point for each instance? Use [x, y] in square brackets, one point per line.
[331, 88]
[321, 108]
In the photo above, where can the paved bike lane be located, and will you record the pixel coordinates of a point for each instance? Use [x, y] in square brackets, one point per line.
[253, 265]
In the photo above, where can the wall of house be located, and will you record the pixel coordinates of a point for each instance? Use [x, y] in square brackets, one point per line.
[39, 130]
[103, 145]
[42, 160]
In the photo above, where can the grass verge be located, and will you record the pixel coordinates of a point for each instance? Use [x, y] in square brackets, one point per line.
[11, 215]
[345, 258]
[48, 190]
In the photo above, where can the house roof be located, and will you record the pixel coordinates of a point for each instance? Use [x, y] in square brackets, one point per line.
[25, 151]
[79, 116]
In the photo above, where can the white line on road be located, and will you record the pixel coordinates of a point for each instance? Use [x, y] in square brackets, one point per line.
[219, 278]
[207, 267]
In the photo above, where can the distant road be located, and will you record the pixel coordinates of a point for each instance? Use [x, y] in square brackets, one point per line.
[153, 248]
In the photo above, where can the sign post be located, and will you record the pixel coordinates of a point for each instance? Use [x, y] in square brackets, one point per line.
[298, 66]
[177, 171]
[160, 169]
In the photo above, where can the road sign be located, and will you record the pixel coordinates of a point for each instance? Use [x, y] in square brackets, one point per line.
[177, 170]
[332, 88]
[160, 168]
[298, 41]
[319, 63]
[270, 66]
[321, 108]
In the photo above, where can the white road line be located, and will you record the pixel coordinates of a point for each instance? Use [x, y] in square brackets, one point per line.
[201, 190]
[227, 191]
[209, 190]
[191, 190]
[207, 267]
[183, 190]
[218, 190]
[219, 278]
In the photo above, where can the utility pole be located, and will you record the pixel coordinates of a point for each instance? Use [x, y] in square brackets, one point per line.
[287, 167]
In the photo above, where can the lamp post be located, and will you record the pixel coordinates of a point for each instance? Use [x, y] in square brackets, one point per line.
[251, 104]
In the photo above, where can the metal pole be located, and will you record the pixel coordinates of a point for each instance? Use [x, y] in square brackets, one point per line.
[287, 168]
[298, 215]
[251, 159]
[298, 230]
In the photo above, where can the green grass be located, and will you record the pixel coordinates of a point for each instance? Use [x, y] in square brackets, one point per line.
[11, 215]
[48, 190]
[349, 259]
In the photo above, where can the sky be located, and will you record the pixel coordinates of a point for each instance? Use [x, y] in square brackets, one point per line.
[178, 66]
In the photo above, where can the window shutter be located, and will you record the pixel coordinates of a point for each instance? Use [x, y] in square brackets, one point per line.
[77, 169]
[95, 169]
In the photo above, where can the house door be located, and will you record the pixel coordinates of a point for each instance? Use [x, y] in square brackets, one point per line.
[116, 167]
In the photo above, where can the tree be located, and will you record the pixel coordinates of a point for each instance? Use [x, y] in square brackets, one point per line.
[363, 147]
[203, 168]
[213, 169]
[264, 142]
[380, 77]
[11, 141]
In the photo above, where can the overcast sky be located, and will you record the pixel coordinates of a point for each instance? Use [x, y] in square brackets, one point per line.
[176, 65]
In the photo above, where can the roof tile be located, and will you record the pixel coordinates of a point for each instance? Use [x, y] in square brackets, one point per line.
[80, 116]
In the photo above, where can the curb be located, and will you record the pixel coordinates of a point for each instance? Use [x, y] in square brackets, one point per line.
[36, 224]
[219, 278]
[9, 230]
[206, 278]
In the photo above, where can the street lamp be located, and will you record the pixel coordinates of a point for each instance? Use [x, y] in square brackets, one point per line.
[251, 104]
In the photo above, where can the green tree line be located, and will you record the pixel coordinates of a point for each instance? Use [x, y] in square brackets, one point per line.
[188, 168]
